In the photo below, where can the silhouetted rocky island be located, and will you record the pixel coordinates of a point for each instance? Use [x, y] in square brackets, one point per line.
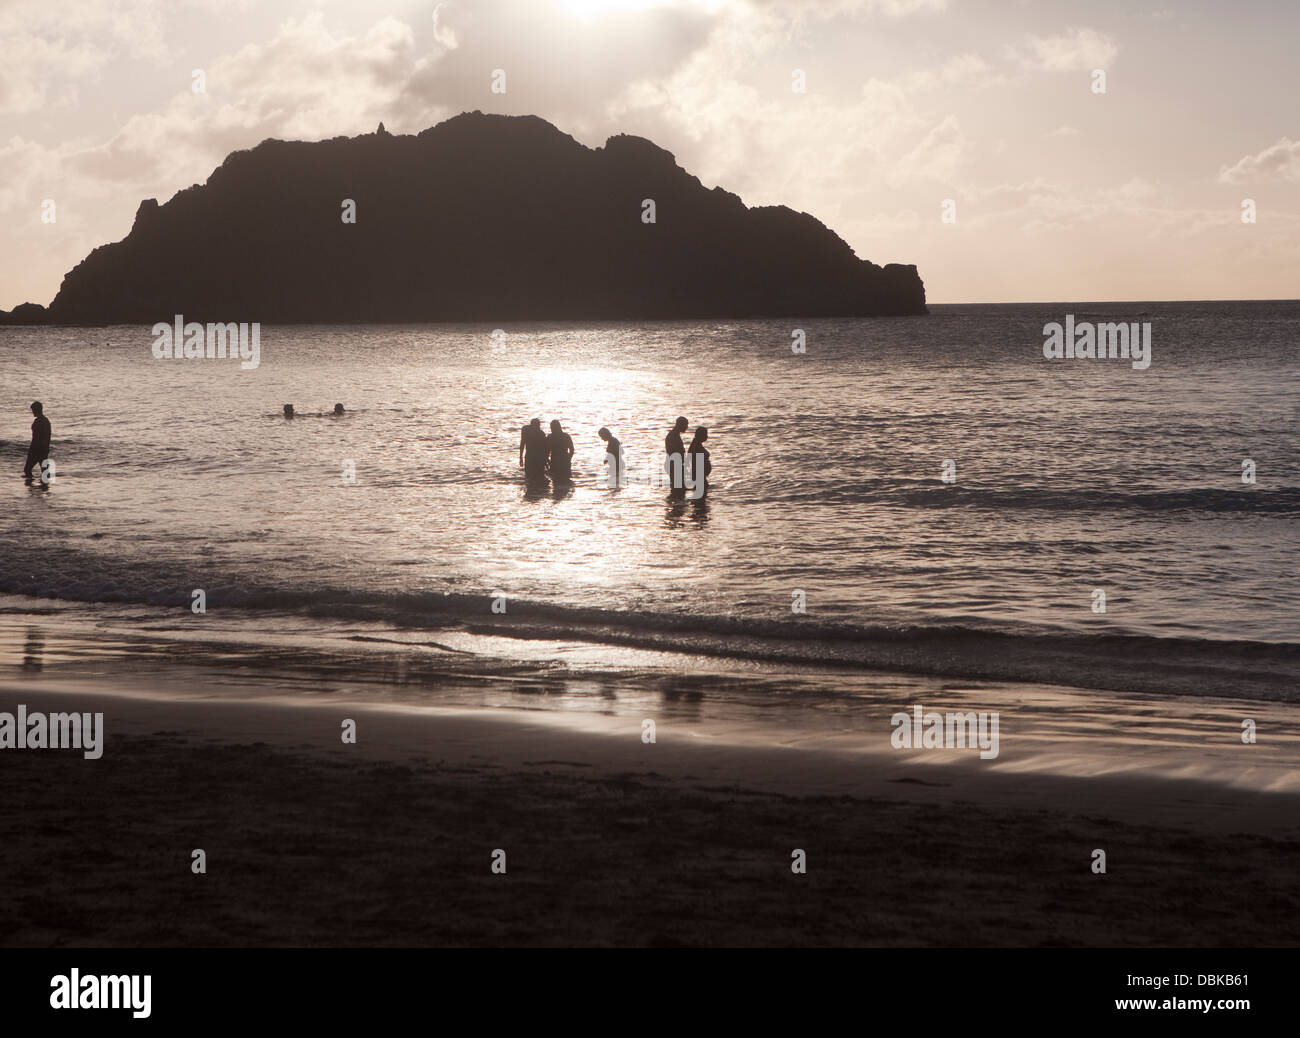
[482, 217]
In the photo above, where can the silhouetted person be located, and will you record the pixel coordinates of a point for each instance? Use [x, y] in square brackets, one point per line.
[532, 450]
[614, 450]
[288, 410]
[338, 408]
[559, 445]
[701, 465]
[673, 464]
[39, 448]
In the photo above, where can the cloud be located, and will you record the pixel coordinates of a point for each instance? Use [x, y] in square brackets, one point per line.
[563, 64]
[964, 70]
[1280, 161]
[1074, 50]
[902, 8]
[1045, 206]
[31, 66]
[940, 155]
[310, 82]
[50, 52]
[898, 8]
[729, 115]
[1040, 206]
[305, 83]
[832, 8]
[442, 33]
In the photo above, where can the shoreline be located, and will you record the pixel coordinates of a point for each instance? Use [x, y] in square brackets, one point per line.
[1102, 662]
[1045, 730]
[610, 841]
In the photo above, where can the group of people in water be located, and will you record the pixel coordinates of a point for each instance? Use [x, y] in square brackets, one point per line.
[338, 411]
[697, 455]
[542, 455]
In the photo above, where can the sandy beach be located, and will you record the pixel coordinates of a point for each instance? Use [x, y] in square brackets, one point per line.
[610, 840]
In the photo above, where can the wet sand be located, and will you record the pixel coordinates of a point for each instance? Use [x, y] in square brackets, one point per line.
[609, 840]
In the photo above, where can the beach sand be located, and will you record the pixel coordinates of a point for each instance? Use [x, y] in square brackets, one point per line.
[608, 840]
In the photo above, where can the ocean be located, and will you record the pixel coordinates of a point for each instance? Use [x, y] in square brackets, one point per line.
[829, 535]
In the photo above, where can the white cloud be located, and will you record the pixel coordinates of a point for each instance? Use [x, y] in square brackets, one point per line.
[939, 156]
[441, 32]
[964, 70]
[832, 8]
[1280, 161]
[32, 68]
[902, 8]
[51, 51]
[1074, 50]
[306, 83]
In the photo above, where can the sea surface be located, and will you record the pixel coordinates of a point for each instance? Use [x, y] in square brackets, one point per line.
[1072, 478]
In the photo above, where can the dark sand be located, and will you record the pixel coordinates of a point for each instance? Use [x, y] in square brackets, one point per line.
[608, 841]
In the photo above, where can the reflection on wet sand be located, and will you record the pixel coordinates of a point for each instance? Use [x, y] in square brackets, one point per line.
[613, 689]
[33, 649]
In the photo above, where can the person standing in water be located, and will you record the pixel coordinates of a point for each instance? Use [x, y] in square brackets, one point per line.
[675, 460]
[701, 465]
[532, 450]
[559, 445]
[615, 476]
[39, 449]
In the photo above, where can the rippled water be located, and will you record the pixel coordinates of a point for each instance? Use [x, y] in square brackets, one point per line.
[1072, 476]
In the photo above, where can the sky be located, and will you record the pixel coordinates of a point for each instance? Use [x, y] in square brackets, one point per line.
[1014, 150]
